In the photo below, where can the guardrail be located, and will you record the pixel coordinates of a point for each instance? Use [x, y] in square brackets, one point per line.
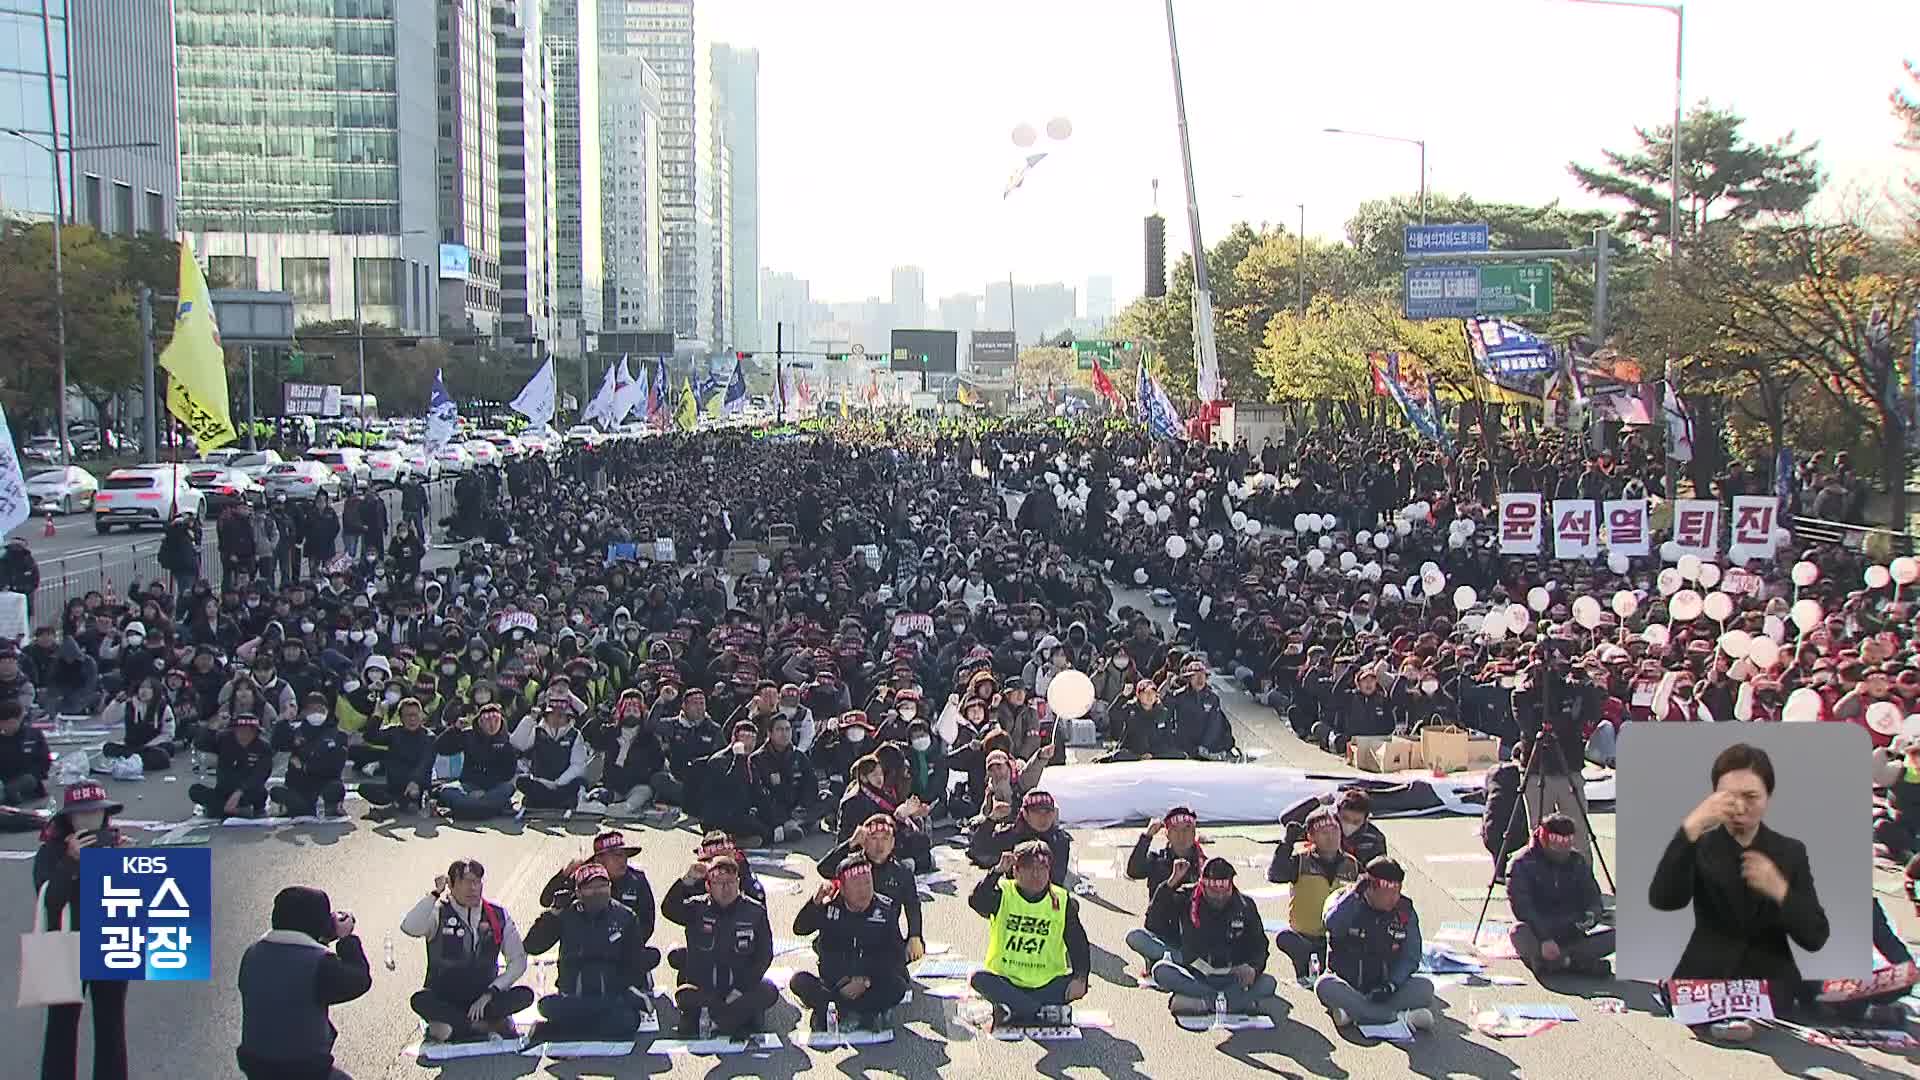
[1847, 534]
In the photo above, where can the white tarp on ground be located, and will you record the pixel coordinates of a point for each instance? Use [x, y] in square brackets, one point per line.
[1098, 795]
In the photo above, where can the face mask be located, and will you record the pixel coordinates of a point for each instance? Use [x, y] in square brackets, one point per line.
[350, 685]
[482, 697]
[146, 694]
[316, 718]
[1019, 635]
[306, 628]
[907, 712]
[921, 743]
[392, 695]
[134, 641]
[1429, 686]
[855, 735]
[340, 635]
[449, 669]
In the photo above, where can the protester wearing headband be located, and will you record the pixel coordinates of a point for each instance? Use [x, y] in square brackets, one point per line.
[1373, 953]
[484, 789]
[1222, 943]
[1038, 956]
[1142, 724]
[1314, 867]
[556, 755]
[723, 968]
[600, 989]
[1039, 820]
[874, 841]
[245, 761]
[719, 843]
[1161, 936]
[857, 936]
[627, 883]
[1557, 906]
[690, 737]
[1359, 836]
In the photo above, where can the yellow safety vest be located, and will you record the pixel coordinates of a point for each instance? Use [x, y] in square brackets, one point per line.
[1028, 943]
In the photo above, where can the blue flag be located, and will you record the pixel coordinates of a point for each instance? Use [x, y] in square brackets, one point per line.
[657, 391]
[736, 391]
[442, 416]
[1156, 409]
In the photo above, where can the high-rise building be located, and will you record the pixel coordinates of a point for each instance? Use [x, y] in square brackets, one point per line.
[960, 312]
[736, 82]
[113, 82]
[630, 194]
[469, 168]
[527, 238]
[571, 28]
[786, 311]
[307, 158]
[1099, 298]
[663, 33]
[718, 193]
[909, 296]
[1036, 312]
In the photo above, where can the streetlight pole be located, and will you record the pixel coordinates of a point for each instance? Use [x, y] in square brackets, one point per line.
[1300, 262]
[1421, 143]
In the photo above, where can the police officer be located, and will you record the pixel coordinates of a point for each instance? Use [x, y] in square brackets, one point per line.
[317, 754]
[629, 885]
[603, 962]
[467, 995]
[723, 969]
[240, 779]
[862, 953]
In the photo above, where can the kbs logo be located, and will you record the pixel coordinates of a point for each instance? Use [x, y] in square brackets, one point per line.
[146, 915]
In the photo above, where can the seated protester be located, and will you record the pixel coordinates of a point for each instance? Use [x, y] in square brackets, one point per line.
[689, 739]
[1503, 830]
[867, 794]
[788, 790]
[406, 769]
[1360, 709]
[1896, 821]
[1223, 945]
[630, 887]
[1161, 936]
[1113, 683]
[1004, 780]
[147, 730]
[1359, 837]
[1373, 953]
[240, 776]
[1200, 725]
[288, 979]
[1315, 867]
[1039, 820]
[1141, 725]
[1038, 956]
[599, 992]
[723, 968]
[25, 758]
[1879, 1010]
[317, 755]
[1557, 905]
[915, 838]
[847, 739]
[926, 759]
[634, 766]
[467, 994]
[556, 757]
[719, 843]
[733, 797]
[874, 841]
[863, 959]
[1016, 716]
[488, 762]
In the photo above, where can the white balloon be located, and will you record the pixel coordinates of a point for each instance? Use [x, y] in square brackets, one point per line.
[1363, 537]
[1802, 707]
[1775, 627]
[1316, 559]
[1737, 644]
[1518, 617]
[1382, 541]
[1432, 582]
[1685, 605]
[1805, 573]
[1670, 551]
[1586, 612]
[1390, 591]
[1371, 571]
[1538, 599]
[1299, 523]
[1709, 575]
[1326, 521]
[1456, 541]
[1253, 527]
[1140, 576]
[1655, 635]
[1348, 560]
[1668, 581]
[1464, 597]
[1617, 562]
[1806, 614]
[1911, 728]
[1239, 520]
[1166, 514]
[1113, 482]
[1764, 652]
[1176, 547]
[1718, 606]
[1495, 629]
[1070, 695]
[1625, 604]
[1289, 563]
[1906, 569]
[1059, 128]
[1690, 567]
[1024, 135]
[1878, 577]
[1326, 543]
[1884, 717]
[1193, 522]
[1216, 542]
[1403, 527]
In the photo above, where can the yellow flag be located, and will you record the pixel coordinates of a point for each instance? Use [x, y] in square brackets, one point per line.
[688, 416]
[197, 387]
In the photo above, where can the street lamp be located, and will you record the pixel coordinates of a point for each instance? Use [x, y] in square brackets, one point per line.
[360, 331]
[1421, 143]
[59, 271]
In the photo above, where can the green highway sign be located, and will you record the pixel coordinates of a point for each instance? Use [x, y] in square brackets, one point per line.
[1085, 351]
[1516, 289]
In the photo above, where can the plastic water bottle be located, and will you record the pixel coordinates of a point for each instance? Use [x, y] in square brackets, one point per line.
[706, 1024]
[386, 947]
[833, 1020]
[1220, 1009]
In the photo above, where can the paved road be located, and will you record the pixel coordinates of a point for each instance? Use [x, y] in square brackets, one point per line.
[377, 869]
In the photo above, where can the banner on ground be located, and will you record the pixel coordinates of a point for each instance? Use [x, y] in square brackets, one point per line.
[1626, 524]
[1708, 1001]
[1520, 524]
[1696, 527]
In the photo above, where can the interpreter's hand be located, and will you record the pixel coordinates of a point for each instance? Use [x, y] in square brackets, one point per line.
[1005, 865]
[1244, 975]
[916, 949]
[1713, 811]
[1154, 827]
[342, 925]
[1076, 989]
[1550, 951]
[855, 986]
[696, 872]
[1763, 877]
[478, 1010]
[1181, 868]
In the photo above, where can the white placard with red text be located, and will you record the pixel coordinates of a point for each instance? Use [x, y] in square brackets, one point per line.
[1521, 524]
[1706, 1001]
[1754, 518]
[1696, 527]
[1576, 529]
[1625, 521]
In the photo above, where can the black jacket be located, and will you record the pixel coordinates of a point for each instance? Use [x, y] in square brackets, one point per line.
[991, 840]
[1737, 933]
[786, 781]
[890, 877]
[849, 943]
[25, 753]
[1550, 897]
[1221, 937]
[241, 768]
[728, 948]
[1154, 865]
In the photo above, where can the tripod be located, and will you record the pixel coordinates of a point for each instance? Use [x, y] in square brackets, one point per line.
[1545, 741]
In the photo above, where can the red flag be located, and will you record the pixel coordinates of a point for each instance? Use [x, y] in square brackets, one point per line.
[1104, 386]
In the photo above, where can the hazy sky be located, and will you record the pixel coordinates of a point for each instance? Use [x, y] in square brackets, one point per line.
[885, 125]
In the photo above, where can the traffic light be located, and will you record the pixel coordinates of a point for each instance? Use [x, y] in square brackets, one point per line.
[1156, 255]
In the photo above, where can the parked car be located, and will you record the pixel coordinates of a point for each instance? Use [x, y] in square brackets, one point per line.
[145, 495]
[388, 468]
[510, 446]
[420, 464]
[226, 487]
[299, 480]
[224, 456]
[484, 452]
[46, 448]
[350, 463]
[62, 490]
[454, 458]
[257, 466]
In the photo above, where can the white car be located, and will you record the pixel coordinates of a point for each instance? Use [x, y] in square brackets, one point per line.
[145, 495]
[454, 458]
[301, 480]
[256, 466]
[348, 462]
[388, 467]
[224, 487]
[420, 464]
[62, 490]
[484, 452]
[222, 457]
[585, 434]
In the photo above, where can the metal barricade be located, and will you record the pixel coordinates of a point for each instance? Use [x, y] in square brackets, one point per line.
[1849, 535]
[107, 569]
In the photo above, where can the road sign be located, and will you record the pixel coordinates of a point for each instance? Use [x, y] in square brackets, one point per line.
[859, 349]
[1440, 292]
[1444, 239]
[1516, 289]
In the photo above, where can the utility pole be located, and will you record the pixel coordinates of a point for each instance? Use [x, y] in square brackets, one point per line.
[59, 274]
[149, 439]
[779, 380]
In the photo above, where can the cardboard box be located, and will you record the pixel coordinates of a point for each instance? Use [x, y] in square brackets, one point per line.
[1363, 752]
[1444, 747]
[1399, 755]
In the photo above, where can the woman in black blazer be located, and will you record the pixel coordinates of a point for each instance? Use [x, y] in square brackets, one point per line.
[1751, 888]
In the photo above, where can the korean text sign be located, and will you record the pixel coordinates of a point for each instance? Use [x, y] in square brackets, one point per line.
[1702, 1001]
[146, 914]
[1521, 524]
